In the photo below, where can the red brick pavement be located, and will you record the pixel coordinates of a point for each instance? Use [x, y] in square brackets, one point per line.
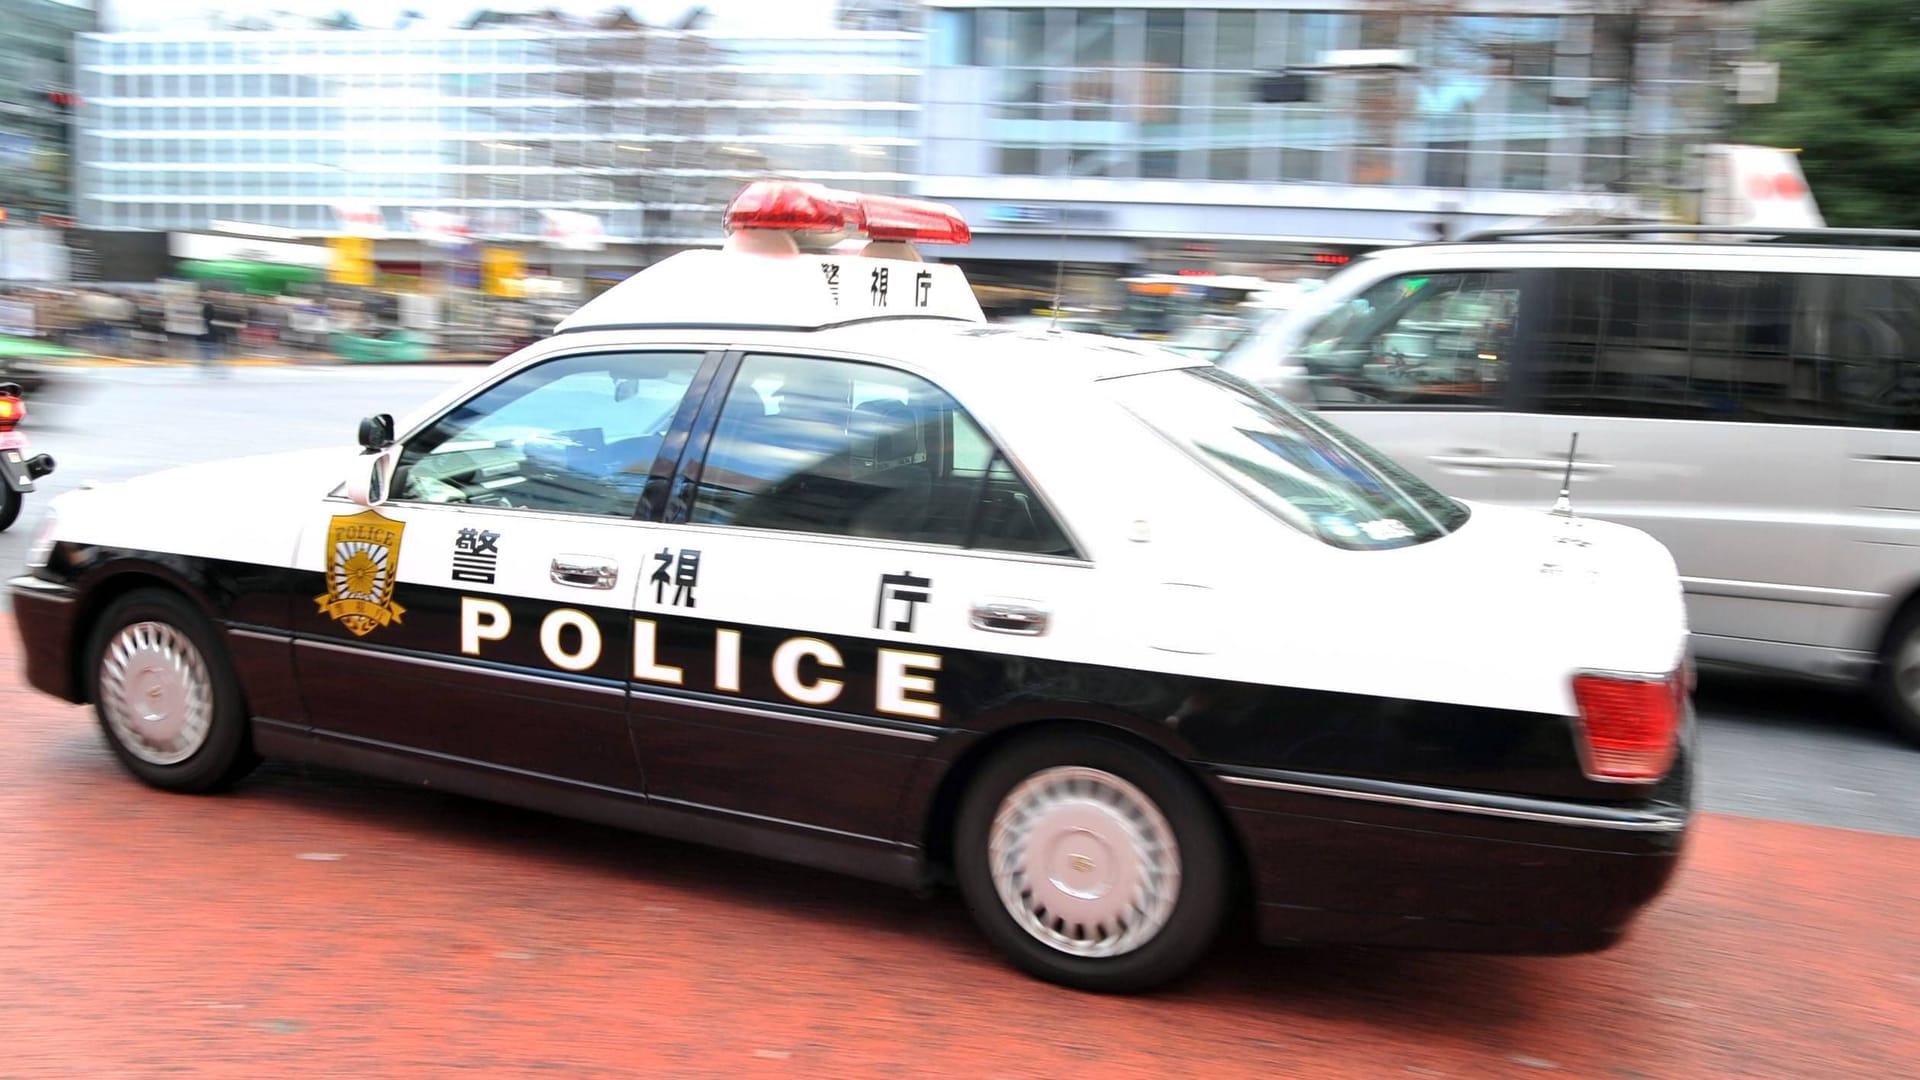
[312, 925]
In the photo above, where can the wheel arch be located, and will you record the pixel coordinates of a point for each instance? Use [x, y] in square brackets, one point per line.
[941, 808]
[108, 583]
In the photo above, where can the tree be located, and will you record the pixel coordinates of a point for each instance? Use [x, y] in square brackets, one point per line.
[1849, 80]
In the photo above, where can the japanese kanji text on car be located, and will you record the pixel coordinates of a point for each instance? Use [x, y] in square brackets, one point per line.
[783, 547]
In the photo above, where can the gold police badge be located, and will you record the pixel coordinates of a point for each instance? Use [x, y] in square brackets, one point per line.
[363, 565]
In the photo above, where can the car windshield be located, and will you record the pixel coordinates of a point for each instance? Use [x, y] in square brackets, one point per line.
[1306, 472]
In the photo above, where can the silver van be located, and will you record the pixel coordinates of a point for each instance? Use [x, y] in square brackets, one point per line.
[1751, 400]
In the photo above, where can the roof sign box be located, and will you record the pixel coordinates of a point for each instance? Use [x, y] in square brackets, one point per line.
[792, 292]
[1758, 186]
[762, 279]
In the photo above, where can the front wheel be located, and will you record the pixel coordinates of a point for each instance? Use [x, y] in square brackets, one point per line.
[167, 698]
[1092, 863]
[10, 502]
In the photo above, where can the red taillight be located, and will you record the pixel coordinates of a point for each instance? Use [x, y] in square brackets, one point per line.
[12, 411]
[1631, 726]
[791, 206]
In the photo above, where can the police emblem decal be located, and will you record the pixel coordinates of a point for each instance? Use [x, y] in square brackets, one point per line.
[363, 565]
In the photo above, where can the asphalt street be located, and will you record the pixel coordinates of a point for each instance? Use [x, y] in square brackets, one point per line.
[1772, 749]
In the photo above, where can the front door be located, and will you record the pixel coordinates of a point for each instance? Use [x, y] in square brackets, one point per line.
[1418, 366]
[482, 614]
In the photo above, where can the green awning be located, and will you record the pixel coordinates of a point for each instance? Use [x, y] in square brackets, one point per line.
[20, 348]
[255, 277]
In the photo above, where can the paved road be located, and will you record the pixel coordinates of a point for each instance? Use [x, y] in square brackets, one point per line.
[1772, 750]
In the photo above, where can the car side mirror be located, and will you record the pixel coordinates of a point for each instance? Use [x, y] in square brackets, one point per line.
[376, 432]
[371, 475]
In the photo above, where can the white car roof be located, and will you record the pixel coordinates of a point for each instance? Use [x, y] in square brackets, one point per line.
[1617, 253]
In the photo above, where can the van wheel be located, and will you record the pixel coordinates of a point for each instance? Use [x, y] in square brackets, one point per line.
[1091, 863]
[1899, 676]
[166, 695]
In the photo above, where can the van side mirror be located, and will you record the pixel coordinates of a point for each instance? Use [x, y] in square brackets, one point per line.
[376, 432]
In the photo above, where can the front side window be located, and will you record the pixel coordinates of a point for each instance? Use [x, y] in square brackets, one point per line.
[575, 435]
[1309, 474]
[850, 449]
[1417, 339]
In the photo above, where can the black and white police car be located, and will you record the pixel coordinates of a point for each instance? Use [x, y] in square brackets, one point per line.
[783, 547]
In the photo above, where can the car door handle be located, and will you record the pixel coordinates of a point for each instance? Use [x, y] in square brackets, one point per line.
[583, 571]
[1010, 617]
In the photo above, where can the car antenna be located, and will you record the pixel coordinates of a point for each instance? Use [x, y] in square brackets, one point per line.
[1564, 504]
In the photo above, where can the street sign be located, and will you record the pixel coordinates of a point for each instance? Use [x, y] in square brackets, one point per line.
[352, 261]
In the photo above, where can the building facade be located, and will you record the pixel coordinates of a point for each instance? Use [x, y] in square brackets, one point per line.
[1134, 133]
[650, 130]
[36, 96]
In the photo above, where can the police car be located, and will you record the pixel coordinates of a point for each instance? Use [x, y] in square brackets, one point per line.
[782, 547]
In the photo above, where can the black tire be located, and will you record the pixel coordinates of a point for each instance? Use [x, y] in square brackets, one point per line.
[226, 754]
[1902, 707]
[1199, 906]
[10, 503]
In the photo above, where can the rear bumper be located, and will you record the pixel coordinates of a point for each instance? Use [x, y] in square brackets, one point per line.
[1339, 860]
[45, 612]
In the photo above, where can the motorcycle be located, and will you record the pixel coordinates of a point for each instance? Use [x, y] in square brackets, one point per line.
[17, 470]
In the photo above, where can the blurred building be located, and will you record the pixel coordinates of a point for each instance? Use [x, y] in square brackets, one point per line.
[1135, 135]
[36, 95]
[651, 130]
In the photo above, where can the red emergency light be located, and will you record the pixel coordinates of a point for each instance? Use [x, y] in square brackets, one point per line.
[12, 411]
[790, 206]
[1331, 258]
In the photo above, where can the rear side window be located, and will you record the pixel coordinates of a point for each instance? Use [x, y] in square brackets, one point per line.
[1417, 339]
[1736, 346]
[837, 447]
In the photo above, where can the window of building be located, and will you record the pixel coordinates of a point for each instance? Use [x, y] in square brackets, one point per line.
[1166, 39]
[848, 449]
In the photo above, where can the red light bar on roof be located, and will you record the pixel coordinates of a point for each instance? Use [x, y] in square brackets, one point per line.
[791, 206]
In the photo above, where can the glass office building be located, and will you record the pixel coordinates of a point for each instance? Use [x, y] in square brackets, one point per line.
[651, 130]
[1136, 130]
[36, 88]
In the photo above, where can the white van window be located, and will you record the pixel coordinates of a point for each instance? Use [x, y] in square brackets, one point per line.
[1417, 339]
[1736, 346]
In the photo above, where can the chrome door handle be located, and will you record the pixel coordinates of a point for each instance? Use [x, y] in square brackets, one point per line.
[1010, 617]
[583, 571]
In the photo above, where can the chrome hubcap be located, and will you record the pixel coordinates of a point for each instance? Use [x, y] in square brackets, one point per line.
[1084, 861]
[156, 693]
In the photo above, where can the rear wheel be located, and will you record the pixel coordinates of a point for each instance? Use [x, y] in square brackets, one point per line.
[166, 696]
[1092, 863]
[1899, 680]
[10, 502]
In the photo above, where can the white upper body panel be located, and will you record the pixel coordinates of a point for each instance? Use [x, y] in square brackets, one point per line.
[1190, 575]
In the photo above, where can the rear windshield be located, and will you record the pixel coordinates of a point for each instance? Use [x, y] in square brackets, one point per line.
[1303, 470]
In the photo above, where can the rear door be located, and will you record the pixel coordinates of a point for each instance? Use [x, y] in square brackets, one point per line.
[1703, 403]
[1419, 366]
[843, 569]
[482, 613]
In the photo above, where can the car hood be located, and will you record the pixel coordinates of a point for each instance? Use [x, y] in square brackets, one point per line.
[300, 474]
[247, 509]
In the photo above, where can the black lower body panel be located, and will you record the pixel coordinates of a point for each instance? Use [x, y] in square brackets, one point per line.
[1392, 865]
[45, 614]
[864, 857]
